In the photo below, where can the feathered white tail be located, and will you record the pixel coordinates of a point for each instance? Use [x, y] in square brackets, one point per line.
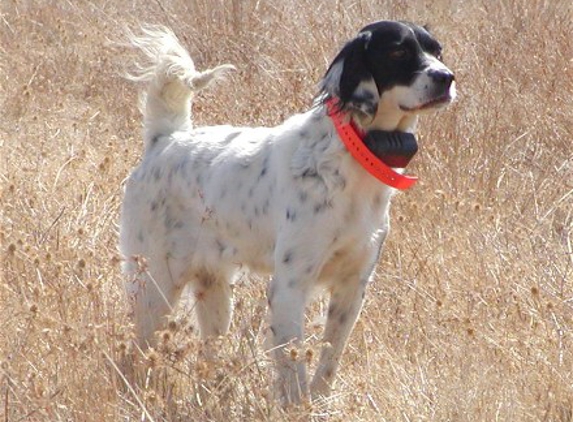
[172, 81]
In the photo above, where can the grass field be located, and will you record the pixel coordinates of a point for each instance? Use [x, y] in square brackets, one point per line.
[470, 317]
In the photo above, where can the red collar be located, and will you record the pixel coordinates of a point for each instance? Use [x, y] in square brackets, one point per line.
[348, 133]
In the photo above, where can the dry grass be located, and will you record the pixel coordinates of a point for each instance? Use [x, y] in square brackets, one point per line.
[470, 318]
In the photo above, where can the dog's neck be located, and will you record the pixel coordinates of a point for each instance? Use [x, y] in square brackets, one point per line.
[388, 121]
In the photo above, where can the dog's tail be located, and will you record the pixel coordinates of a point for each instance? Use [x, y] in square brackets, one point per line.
[172, 81]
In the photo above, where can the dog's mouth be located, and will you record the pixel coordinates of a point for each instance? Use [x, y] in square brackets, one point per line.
[438, 102]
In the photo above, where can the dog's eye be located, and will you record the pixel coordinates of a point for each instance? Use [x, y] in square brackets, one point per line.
[399, 54]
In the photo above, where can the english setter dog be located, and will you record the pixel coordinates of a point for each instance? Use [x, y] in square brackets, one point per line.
[291, 201]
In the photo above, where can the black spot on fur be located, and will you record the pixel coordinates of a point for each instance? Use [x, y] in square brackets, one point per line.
[310, 172]
[287, 258]
[343, 317]
[220, 246]
[331, 311]
[365, 101]
[153, 205]
[302, 197]
[321, 207]
[340, 180]
[290, 215]
[266, 160]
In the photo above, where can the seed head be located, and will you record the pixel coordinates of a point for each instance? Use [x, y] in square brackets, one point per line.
[152, 358]
[309, 354]
[293, 353]
[166, 336]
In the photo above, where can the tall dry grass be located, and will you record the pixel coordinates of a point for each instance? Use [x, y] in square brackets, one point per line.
[470, 316]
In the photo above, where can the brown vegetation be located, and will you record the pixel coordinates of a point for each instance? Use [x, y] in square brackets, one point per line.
[470, 317]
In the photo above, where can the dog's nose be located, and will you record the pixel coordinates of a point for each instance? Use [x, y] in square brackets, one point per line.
[442, 77]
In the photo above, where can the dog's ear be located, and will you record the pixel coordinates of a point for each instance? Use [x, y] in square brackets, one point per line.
[349, 79]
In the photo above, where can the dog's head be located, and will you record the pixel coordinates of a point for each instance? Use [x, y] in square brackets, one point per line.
[390, 68]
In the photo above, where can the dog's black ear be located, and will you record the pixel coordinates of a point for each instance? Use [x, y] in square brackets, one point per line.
[349, 80]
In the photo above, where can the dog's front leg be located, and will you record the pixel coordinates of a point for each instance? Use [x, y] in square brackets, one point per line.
[287, 300]
[344, 308]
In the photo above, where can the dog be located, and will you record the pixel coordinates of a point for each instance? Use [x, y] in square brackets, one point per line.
[290, 201]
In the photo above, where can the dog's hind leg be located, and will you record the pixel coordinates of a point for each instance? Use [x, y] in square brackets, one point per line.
[213, 297]
[152, 294]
